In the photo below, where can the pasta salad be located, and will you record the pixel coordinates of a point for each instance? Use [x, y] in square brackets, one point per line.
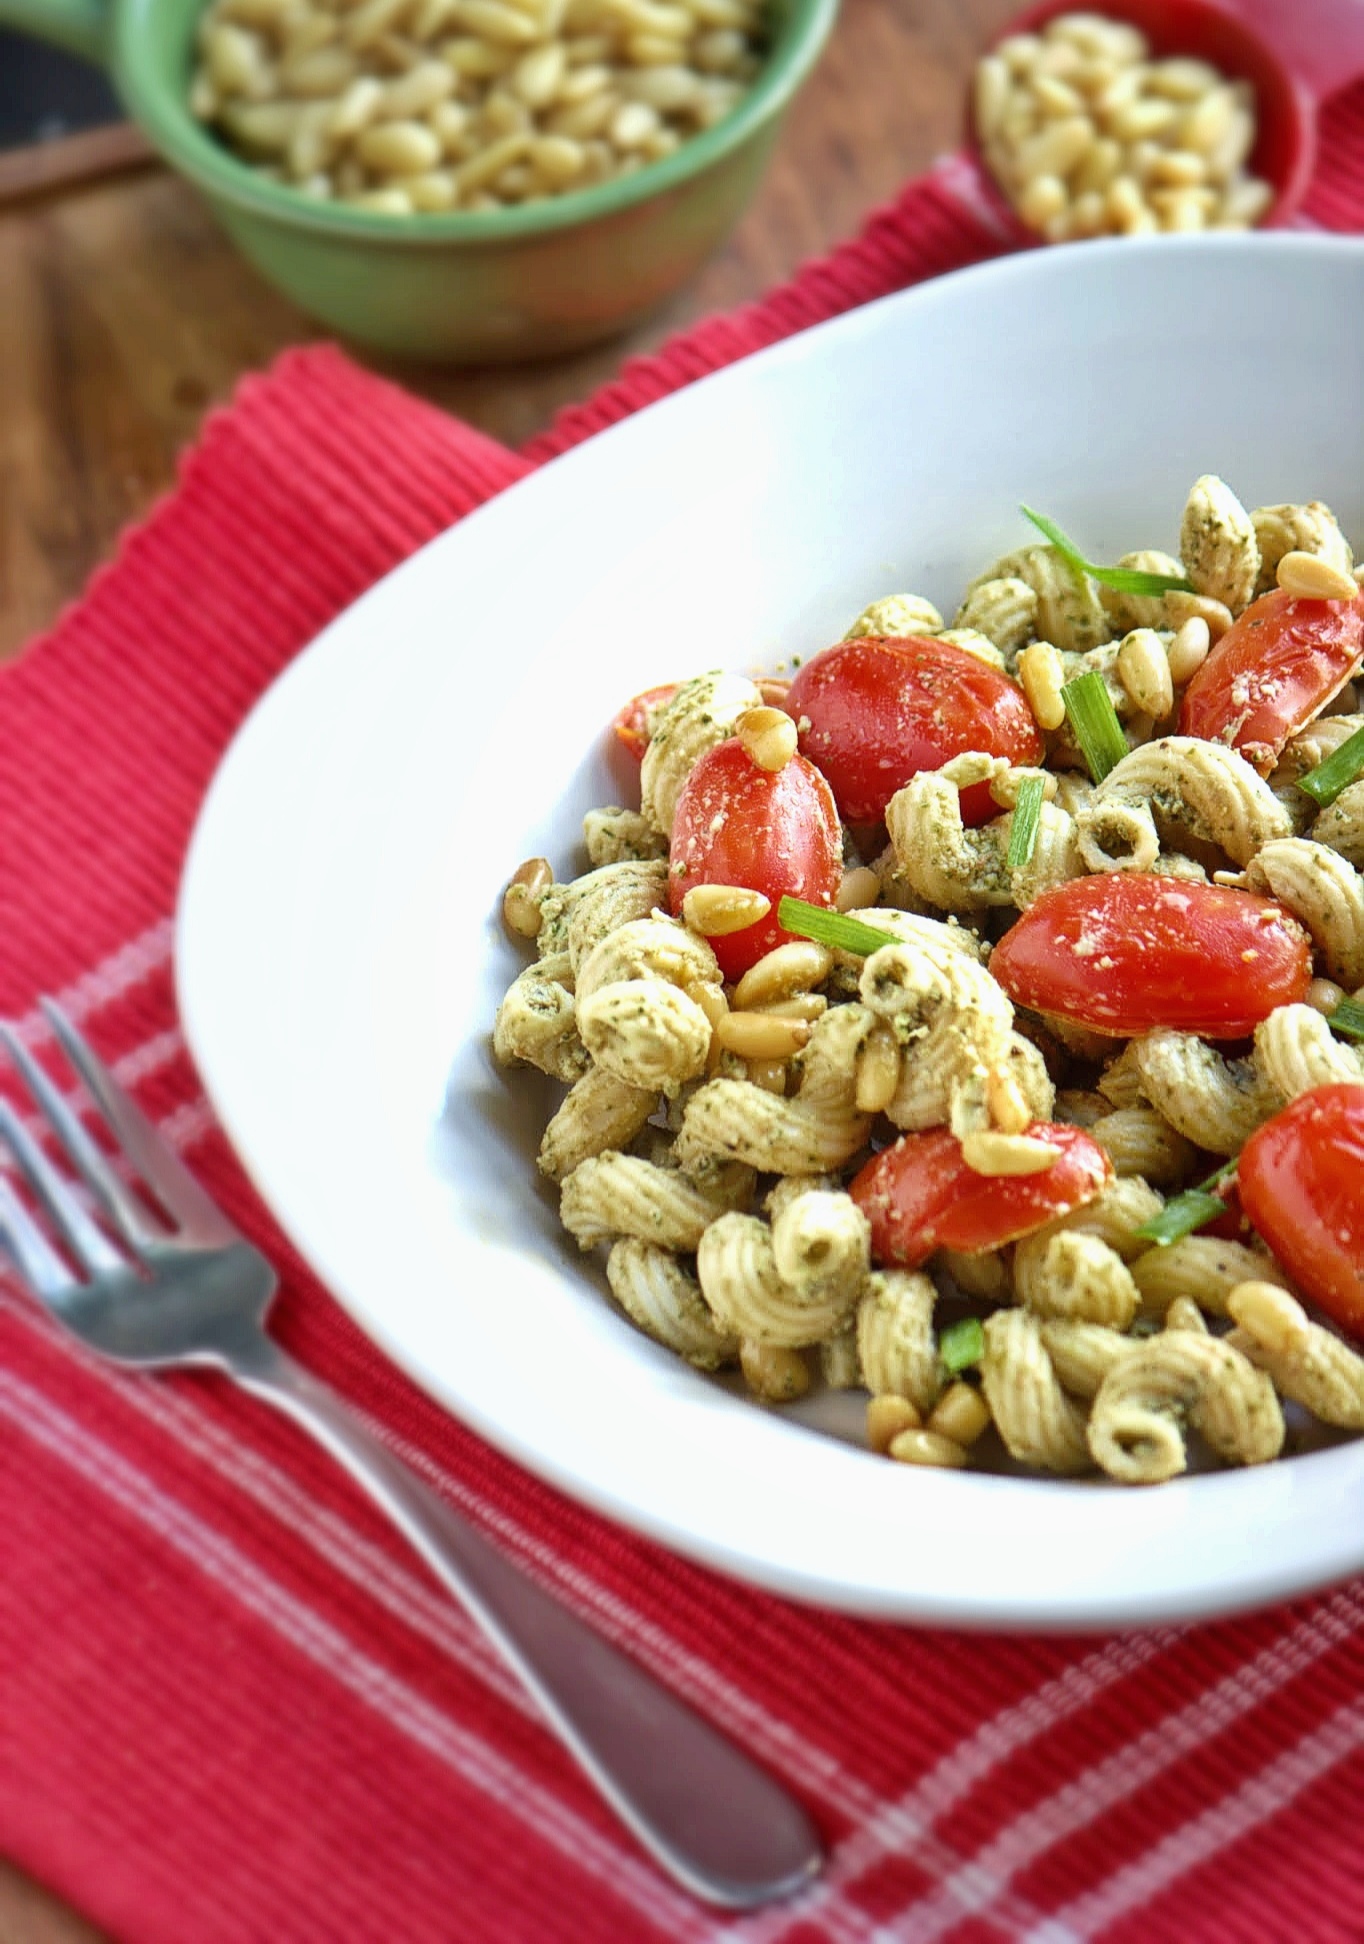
[974, 1018]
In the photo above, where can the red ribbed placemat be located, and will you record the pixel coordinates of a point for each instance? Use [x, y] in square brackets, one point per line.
[232, 1707]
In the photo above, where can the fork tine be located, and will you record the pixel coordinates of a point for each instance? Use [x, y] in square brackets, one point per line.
[134, 1220]
[157, 1163]
[34, 1256]
[86, 1241]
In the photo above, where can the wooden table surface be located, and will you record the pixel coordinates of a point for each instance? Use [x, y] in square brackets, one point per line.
[124, 315]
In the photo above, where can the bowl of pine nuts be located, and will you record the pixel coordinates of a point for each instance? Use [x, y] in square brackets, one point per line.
[460, 180]
[1168, 116]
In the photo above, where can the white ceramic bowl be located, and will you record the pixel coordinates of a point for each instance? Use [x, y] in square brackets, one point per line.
[340, 956]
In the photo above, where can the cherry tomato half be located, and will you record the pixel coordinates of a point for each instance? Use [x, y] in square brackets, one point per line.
[775, 831]
[1299, 1181]
[920, 1195]
[1279, 663]
[631, 724]
[1123, 953]
[877, 710]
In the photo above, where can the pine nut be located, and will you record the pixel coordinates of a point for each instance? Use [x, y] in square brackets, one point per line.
[770, 1075]
[1009, 1111]
[716, 910]
[878, 1071]
[773, 1372]
[1188, 649]
[1324, 995]
[1309, 578]
[1181, 607]
[357, 107]
[1144, 671]
[762, 1036]
[1057, 149]
[1041, 199]
[435, 190]
[417, 91]
[927, 1448]
[788, 969]
[1042, 674]
[992, 90]
[858, 889]
[557, 158]
[1269, 1313]
[769, 735]
[398, 148]
[538, 76]
[988, 1153]
[521, 899]
[489, 163]
[801, 1005]
[631, 127]
[887, 1417]
[1209, 121]
[960, 1414]
[383, 202]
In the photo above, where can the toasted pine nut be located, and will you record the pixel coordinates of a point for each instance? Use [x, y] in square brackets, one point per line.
[417, 91]
[878, 1070]
[770, 1371]
[398, 148]
[1270, 1314]
[1042, 674]
[1324, 995]
[858, 890]
[887, 1416]
[557, 157]
[769, 735]
[801, 1005]
[761, 1036]
[1009, 1111]
[1057, 149]
[1144, 671]
[538, 76]
[797, 966]
[715, 910]
[961, 1414]
[521, 899]
[988, 1153]
[1041, 199]
[770, 1075]
[384, 202]
[992, 90]
[1181, 607]
[1188, 650]
[927, 1448]
[1309, 578]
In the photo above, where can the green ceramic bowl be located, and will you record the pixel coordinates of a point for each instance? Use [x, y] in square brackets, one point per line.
[514, 283]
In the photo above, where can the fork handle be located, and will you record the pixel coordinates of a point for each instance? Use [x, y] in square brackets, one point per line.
[717, 1823]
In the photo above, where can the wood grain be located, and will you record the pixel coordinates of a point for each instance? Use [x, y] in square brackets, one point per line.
[126, 314]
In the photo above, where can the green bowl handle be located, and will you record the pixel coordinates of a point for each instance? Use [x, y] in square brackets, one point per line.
[80, 26]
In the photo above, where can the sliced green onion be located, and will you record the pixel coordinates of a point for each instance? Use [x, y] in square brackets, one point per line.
[1348, 1018]
[1095, 722]
[1023, 826]
[831, 928]
[1341, 768]
[1123, 580]
[1194, 1209]
[961, 1345]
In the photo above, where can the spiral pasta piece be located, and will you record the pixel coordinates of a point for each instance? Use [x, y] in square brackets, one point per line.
[537, 1022]
[895, 1341]
[1218, 544]
[1136, 1422]
[1325, 891]
[1139, 1141]
[1341, 825]
[703, 712]
[1214, 1102]
[1082, 1354]
[1037, 1421]
[1305, 1362]
[1201, 787]
[745, 1289]
[614, 1194]
[646, 1032]
[657, 1294]
[821, 1242]
[817, 1130]
[951, 1018]
[1203, 1267]
[1295, 1049]
[648, 948]
[1076, 1278]
[598, 1112]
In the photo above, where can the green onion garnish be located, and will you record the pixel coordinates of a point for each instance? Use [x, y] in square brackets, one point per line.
[1123, 580]
[1348, 1018]
[961, 1345]
[831, 928]
[1194, 1209]
[1024, 822]
[1340, 769]
[1095, 722]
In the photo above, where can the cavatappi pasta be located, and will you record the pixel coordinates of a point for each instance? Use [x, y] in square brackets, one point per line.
[711, 1126]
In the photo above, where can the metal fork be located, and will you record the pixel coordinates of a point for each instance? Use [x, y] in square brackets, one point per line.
[186, 1287]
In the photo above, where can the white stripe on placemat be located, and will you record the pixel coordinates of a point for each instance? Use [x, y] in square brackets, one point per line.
[975, 1890]
[375, 1687]
[1273, 1788]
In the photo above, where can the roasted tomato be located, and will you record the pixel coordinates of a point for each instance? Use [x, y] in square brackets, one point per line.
[1123, 953]
[1299, 1182]
[920, 1195]
[631, 724]
[1279, 663]
[774, 831]
[875, 711]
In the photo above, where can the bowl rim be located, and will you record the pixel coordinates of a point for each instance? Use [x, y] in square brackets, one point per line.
[165, 117]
